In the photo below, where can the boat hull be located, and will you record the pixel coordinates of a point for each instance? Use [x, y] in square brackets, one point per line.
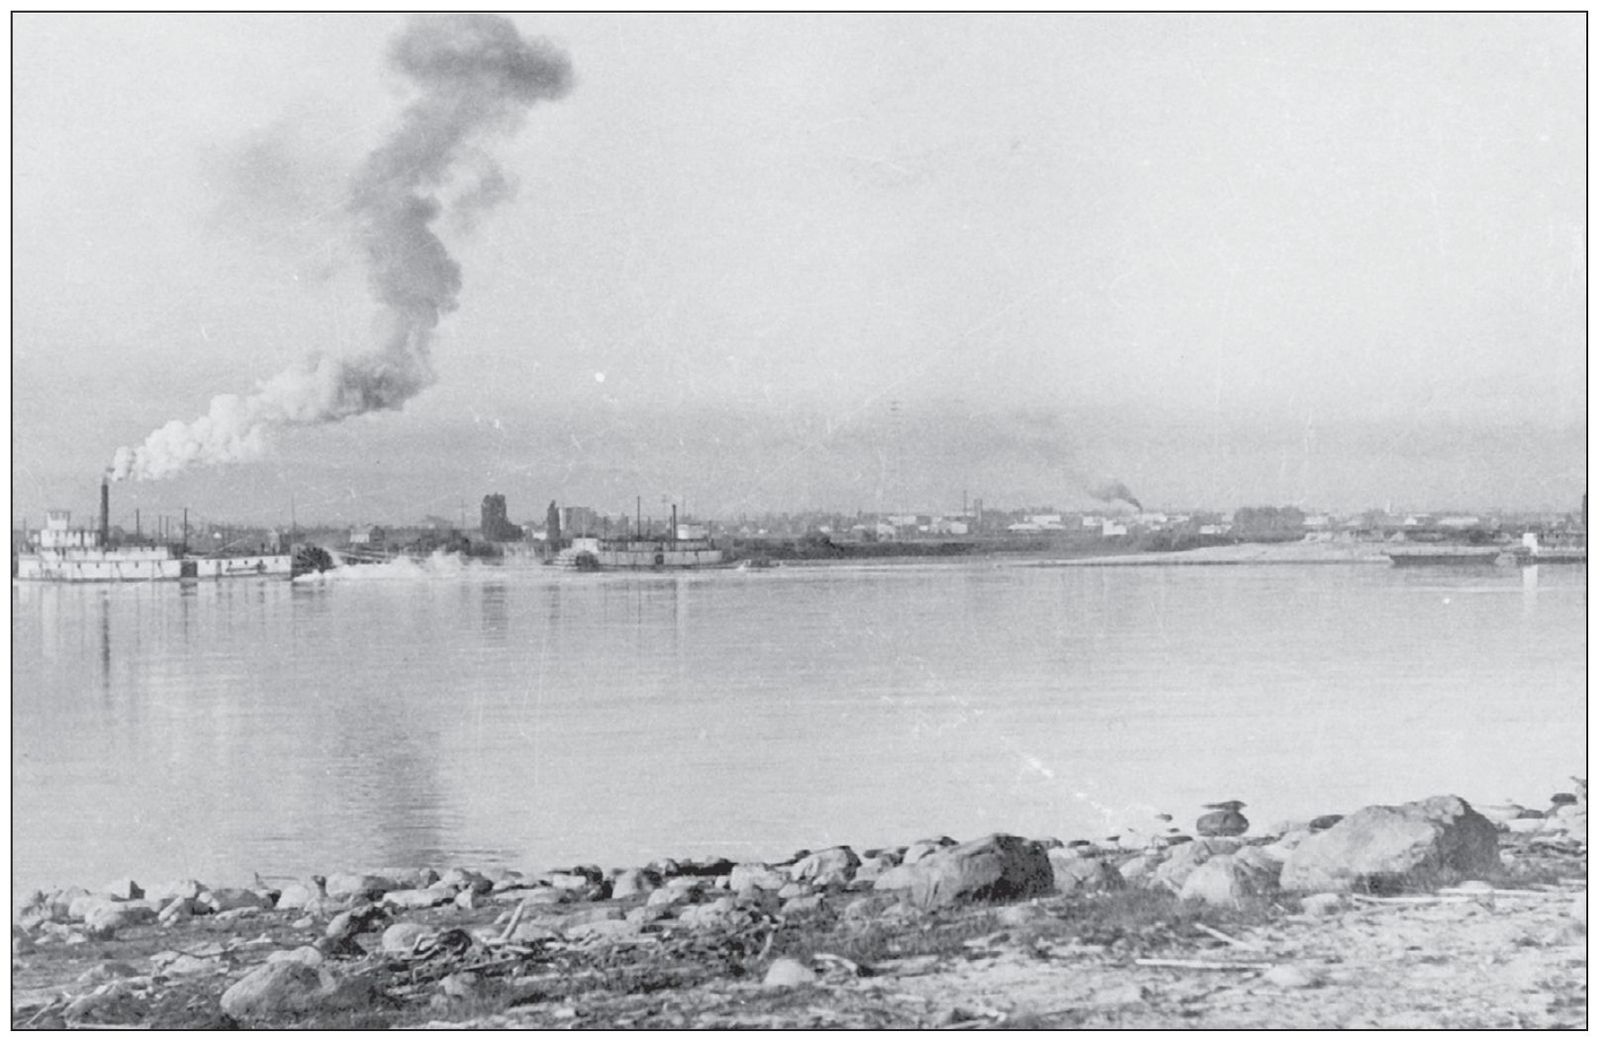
[685, 554]
[1479, 557]
[1557, 555]
[659, 559]
[118, 567]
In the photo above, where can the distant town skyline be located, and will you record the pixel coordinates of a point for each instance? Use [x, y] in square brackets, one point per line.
[469, 515]
[768, 263]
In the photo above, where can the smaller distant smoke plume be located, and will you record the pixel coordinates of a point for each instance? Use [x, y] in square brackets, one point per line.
[476, 75]
[1113, 490]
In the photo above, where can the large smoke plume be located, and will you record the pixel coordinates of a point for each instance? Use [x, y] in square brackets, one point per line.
[476, 75]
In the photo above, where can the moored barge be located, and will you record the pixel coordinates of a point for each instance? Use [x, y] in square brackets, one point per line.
[1450, 555]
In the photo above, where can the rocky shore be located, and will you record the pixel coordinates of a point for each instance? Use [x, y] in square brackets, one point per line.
[1431, 914]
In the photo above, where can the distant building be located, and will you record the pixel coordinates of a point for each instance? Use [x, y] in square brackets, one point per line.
[495, 525]
[366, 536]
[1113, 529]
[577, 520]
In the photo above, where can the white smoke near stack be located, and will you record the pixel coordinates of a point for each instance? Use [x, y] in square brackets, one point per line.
[476, 75]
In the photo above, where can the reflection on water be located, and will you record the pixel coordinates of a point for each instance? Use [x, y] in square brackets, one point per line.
[106, 645]
[494, 612]
[523, 716]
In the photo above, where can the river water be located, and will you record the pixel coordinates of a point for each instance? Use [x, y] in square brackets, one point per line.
[451, 713]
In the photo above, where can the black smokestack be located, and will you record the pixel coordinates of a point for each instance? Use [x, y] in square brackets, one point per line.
[1114, 490]
[106, 512]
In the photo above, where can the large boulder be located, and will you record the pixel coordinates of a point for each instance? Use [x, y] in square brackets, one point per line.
[297, 895]
[457, 879]
[39, 910]
[755, 876]
[168, 890]
[722, 912]
[105, 920]
[221, 900]
[400, 938]
[1282, 848]
[672, 896]
[788, 973]
[84, 904]
[872, 867]
[1440, 840]
[631, 882]
[828, 866]
[1136, 871]
[1074, 872]
[417, 898]
[408, 877]
[1232, 880]
[994, 868]
[1179, 862]
[566, 880]
[922, 849]
[289, 987]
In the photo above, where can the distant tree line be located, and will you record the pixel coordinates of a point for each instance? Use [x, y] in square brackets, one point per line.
[1267, 523]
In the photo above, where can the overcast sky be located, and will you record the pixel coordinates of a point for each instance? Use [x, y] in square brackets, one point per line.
[769, 262]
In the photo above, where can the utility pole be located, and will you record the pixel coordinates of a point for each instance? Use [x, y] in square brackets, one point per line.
[639, 517]
[184, 544]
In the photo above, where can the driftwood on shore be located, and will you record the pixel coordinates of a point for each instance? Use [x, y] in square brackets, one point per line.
[1204, 964]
